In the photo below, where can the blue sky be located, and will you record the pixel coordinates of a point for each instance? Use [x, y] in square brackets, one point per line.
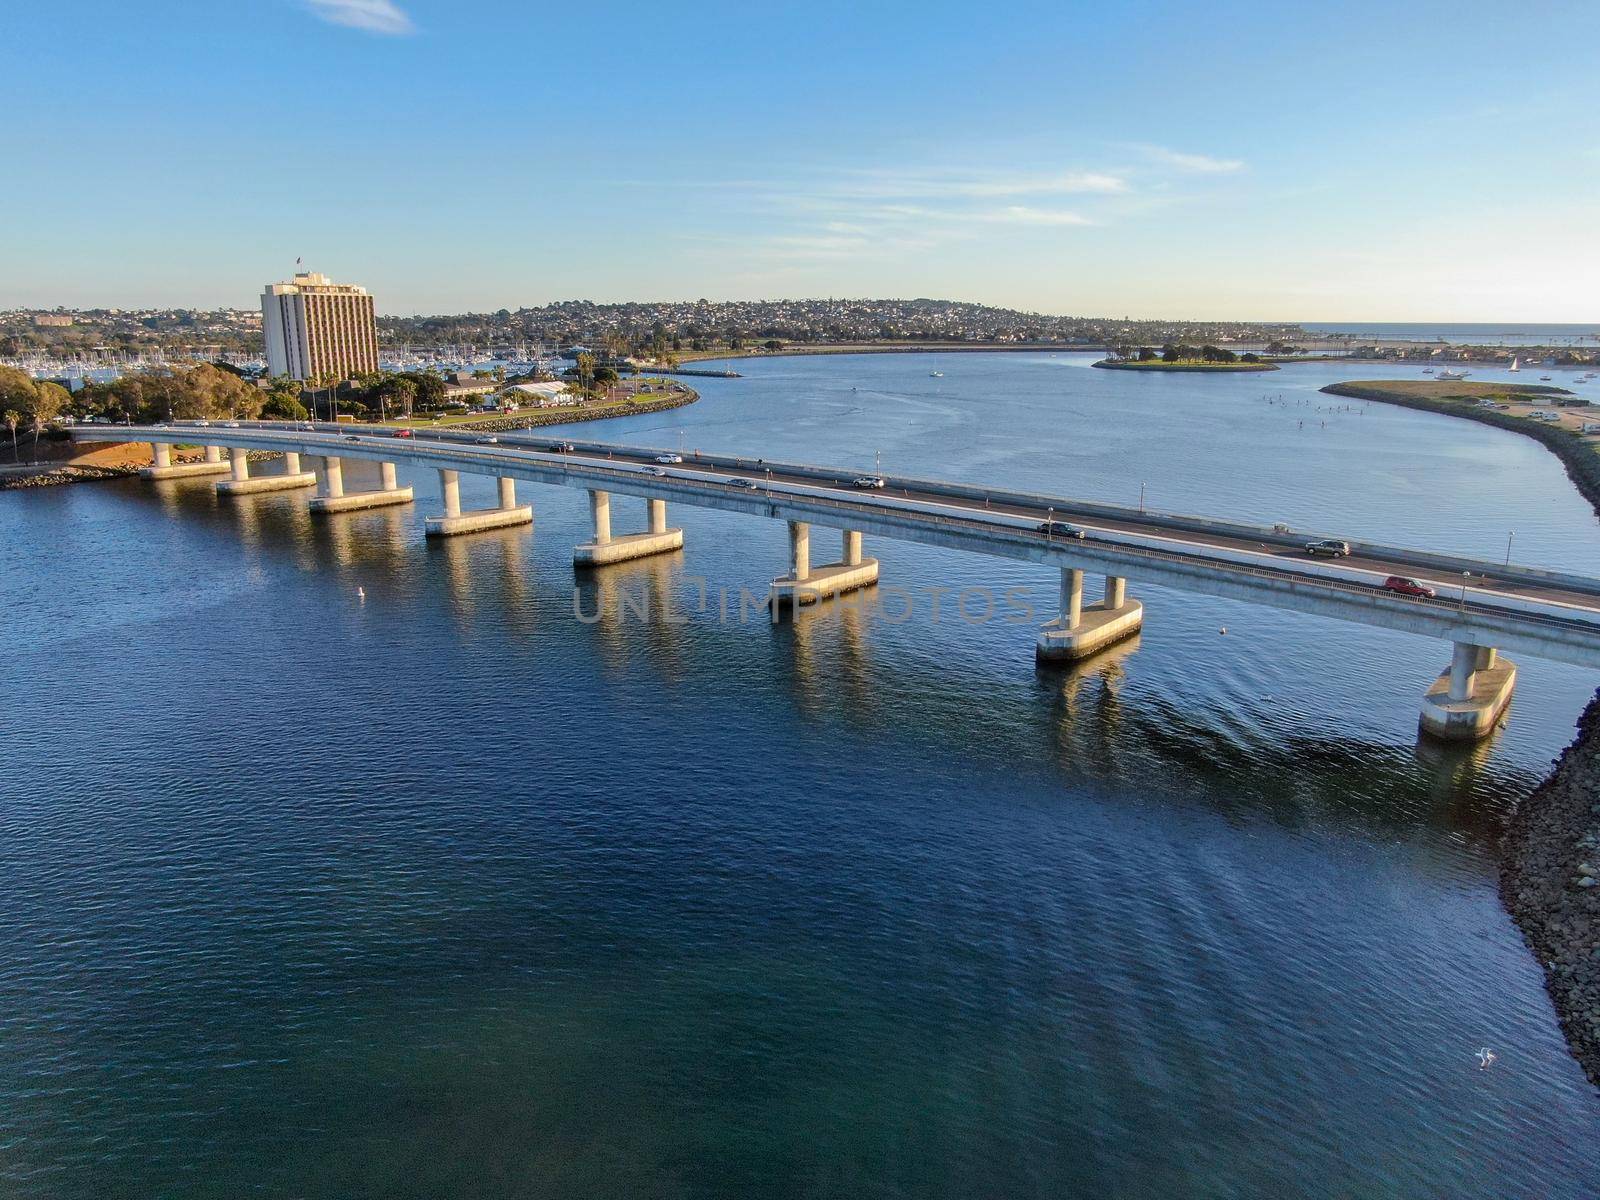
[1410, 161]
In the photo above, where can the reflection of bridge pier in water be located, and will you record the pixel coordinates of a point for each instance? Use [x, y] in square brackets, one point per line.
[631, 599]
[1544, 613]
[827, 652]
[1086, 702]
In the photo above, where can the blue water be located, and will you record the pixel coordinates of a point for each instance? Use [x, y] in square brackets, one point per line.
[446, 892]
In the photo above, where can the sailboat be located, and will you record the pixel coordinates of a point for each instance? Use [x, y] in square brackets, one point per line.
[1516, 363]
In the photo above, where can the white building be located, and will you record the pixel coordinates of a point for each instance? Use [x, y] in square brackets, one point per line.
[315, 328]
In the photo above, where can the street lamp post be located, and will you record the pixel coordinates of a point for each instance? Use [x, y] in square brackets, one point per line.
[1509, 536]
[1465, 575]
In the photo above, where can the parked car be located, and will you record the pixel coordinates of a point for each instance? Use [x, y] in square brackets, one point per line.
[1328, 548]
[1409, 587]
[871, 481]
[669, 458]
[405, 433]
[1061, 529]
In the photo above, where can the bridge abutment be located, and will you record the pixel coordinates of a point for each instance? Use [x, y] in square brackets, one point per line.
[334, 499]
[455, 521]
[606, 549]
[1079, 632]
[165, 468]
[806, 584]
[1471, 696]
[243, 484]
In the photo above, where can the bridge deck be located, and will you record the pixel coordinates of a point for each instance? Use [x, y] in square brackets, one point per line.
[1548, 614]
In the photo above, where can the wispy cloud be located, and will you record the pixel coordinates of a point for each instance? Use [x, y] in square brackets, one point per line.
[373, 16]
[1198, 164]
[973, 185]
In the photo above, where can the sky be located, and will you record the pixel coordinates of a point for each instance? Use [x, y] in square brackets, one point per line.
[1405, 161]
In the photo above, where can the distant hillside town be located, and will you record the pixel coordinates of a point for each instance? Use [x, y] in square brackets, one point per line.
[676, 326]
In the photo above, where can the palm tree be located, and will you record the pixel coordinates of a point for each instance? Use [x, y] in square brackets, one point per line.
[12, 419]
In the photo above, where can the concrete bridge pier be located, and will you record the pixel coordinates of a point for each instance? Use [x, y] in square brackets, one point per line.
[165, 468]
[1079, 632]
[605, 549]
[242, 484]
[333, 498]
[455, 521]
[806, 585]
[1467, 701]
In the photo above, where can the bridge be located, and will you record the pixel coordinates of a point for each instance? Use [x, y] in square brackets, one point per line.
[1482, 608]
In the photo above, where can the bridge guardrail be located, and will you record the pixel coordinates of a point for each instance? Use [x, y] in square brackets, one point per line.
[494, 461]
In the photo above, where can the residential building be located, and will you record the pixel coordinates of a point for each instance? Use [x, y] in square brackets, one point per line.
[315, 328]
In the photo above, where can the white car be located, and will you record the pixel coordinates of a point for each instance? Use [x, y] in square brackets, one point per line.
[872, 481]
[233, 425]
[657, 471]
[669, 458]
[202, 421]
[488, 441]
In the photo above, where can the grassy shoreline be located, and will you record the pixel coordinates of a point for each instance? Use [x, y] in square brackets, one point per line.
[1580, 455]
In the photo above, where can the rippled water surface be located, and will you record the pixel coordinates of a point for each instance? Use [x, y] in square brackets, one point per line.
[444, 891]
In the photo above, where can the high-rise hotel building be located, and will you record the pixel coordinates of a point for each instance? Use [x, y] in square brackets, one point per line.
[316, 328]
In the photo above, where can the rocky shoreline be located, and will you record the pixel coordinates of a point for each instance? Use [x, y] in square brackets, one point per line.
[1550, 865]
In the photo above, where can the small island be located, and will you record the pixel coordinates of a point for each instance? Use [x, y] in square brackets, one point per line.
[1181, 357]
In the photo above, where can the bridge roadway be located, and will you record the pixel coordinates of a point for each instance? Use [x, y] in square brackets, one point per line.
[1548, 614]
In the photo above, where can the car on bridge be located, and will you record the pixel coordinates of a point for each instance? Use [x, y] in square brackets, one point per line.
[659, 472]
[872, 481]
[669, 458]
[405, 433]
[1328, 548]
[1061, 529]
[750, 485]
[1409, 587]
[560, 447]
[491, 440]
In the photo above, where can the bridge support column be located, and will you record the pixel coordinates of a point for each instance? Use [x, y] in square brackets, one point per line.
[333, 498]
[1470, 697]
[165, 468]
[1079, 632]
[605, 549]
[806, 584]
[455, 521]
[242, 484]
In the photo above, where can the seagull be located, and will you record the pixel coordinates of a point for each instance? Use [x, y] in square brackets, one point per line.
[1486, 1058]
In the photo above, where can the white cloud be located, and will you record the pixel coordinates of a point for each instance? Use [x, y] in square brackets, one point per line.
[374, 16]
[1021, 214]
[1199, 164]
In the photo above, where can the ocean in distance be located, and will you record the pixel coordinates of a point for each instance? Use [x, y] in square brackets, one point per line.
[443, 891]
[1457, 333]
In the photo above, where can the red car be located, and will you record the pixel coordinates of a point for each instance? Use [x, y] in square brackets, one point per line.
[1408, 587]
[404, 433]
